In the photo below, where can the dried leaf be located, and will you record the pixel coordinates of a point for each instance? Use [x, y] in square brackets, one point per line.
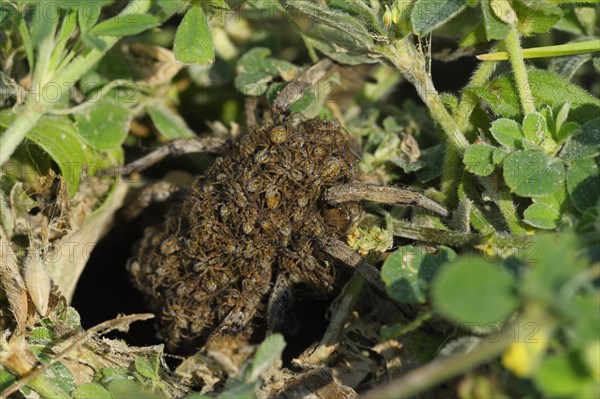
[12, 282]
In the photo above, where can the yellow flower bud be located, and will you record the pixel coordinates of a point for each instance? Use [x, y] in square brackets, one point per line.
[387, 17]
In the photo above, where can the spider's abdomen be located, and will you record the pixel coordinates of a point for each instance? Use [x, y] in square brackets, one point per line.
[255, 214]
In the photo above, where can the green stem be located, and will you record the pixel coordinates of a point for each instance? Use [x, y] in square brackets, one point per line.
[412, 63]
[434, 373]
[452, 167]
[504, 202]
[469, 100]
[37, 106]
[455, 239]
[515, 54]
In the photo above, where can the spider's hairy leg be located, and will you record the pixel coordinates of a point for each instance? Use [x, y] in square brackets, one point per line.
[387, 195]
[255, 285]
[172, 148]
[279, 300]
[342, 252]
[155, 192]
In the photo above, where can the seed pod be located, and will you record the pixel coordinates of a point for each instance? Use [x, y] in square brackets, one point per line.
[37, 280]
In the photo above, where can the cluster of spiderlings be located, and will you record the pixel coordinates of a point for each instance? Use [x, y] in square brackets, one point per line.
[256, 214]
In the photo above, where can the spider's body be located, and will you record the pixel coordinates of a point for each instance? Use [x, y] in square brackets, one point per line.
[252, 222]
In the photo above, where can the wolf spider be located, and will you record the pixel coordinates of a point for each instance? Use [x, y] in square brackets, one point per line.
[267, 217]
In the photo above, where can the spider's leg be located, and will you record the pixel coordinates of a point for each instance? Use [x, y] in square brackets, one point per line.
[301, 84]
[279, 300]
[152, 193]
[255, 285]
[342, 252]
[387, 195]
[172, 148]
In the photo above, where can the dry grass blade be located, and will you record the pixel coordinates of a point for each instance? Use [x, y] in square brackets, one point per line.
[12, 282]
[102, 328]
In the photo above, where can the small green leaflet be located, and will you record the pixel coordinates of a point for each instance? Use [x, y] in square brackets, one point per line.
[427, 15]
[193, 41]
[533, 173]
[474, 291]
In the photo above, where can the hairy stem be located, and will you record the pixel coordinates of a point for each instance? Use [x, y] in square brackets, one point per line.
[515, 54]
[452, 165]
[504, 202]
[412, 64]
[432, 374]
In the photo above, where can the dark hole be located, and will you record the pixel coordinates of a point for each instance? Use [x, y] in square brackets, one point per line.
[104, 289]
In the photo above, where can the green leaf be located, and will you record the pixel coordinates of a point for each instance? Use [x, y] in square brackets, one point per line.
[584, 145]
[433, 159]
[499, 155]
[408, 271]
[478, 159]
[583, 183]
[61, 140]
[567, 130]
[168, 123]
[193, 41]
[45, 21]
[427, 15]
[533, 173]
[495, 29]
[583, 310]
[87, 17]
[536, 17]
[547, 88]
[266, 354]
[125, 25]
[474, 292]
[545, 212]
[147, 367]
[353, 36]
[124, 388]
[59, 374]
[553, 262]
[78, 4]
[91, 390]
[256, 69]
[304, 102]
[104, 125]
[6, 379]
[562, 375]
[507, 132]
[534, 127]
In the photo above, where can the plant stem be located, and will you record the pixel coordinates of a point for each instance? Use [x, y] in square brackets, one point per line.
[468, 99]
[504, 202]
[432, 374]
[452, 166]
[37, 106]
[411, 63]
[455, 239]
[515, 54]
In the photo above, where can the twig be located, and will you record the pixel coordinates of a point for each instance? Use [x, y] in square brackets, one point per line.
[99, 329]
[386, 195]
[438, 371]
